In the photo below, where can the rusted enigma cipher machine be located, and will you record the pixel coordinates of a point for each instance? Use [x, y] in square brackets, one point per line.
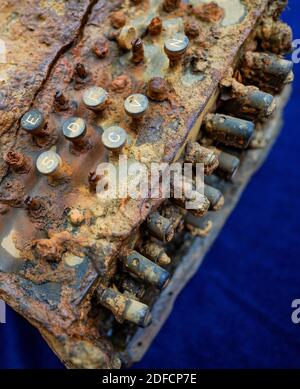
[85, 82]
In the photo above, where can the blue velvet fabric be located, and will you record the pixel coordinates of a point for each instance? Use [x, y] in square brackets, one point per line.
[236, 312]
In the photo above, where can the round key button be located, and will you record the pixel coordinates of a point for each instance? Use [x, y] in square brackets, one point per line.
[95, 98]
[136, 105]
[114, 138]
[48, 162]
[33, 121]
[74, 128]
[175, 47]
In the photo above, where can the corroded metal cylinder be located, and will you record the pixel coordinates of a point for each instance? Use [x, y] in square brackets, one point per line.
[247, 102]
[228, 165]
[260, 100]
[195, 153]
[146, 270]
[156, 253]
[275, 36]
[229, 130]
[160, 227]
[215, 197]
[202, 205]
[267, 71]
[125, 308]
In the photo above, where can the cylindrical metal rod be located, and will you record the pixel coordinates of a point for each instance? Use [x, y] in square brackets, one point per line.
[228, 165]
[125, 308]
[146, 270]
[267, 71]
[215, 197]
[195, 153]
[156, 253]
[229, 130]
[160, 227]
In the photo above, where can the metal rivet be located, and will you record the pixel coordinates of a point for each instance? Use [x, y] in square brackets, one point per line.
[137, 51]
[95, 98]
[81, 71]
[171, 5]
[48, 162]
[33, 121]
[136, 105]
[114, 138]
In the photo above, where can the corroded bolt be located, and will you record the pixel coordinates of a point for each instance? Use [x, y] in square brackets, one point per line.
[93, 181]
[101, 48]
[171, 5]
[32, 203]
[209, 12]
[229, 130]
[275, 36]
[136, 106]
[60, 101]
[95, 98]
[114, 138]
[189, 198]
[124, 308]
[118, 19]
[80, 71]
[175, 47]
[19, 162]
[195, 153]
[157, 89]
[76, 216]
[120, 83]
[156, 253]
[160, 227]
[192, 29]
[74, 130]
[137, 51]
[146, 270]
[33, 122]
[155, 26]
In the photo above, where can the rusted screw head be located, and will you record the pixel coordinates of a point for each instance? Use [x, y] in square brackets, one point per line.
[101, 48]
[192, 29]
[32, 203]
[158, 89]
[80, 71]
[137, 50]
[118, 19]
[155, 26]
[171, 5]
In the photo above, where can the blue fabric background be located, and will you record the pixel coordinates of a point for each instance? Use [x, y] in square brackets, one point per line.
[236, 312]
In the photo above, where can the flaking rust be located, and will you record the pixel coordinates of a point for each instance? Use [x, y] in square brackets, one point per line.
[202, 79]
